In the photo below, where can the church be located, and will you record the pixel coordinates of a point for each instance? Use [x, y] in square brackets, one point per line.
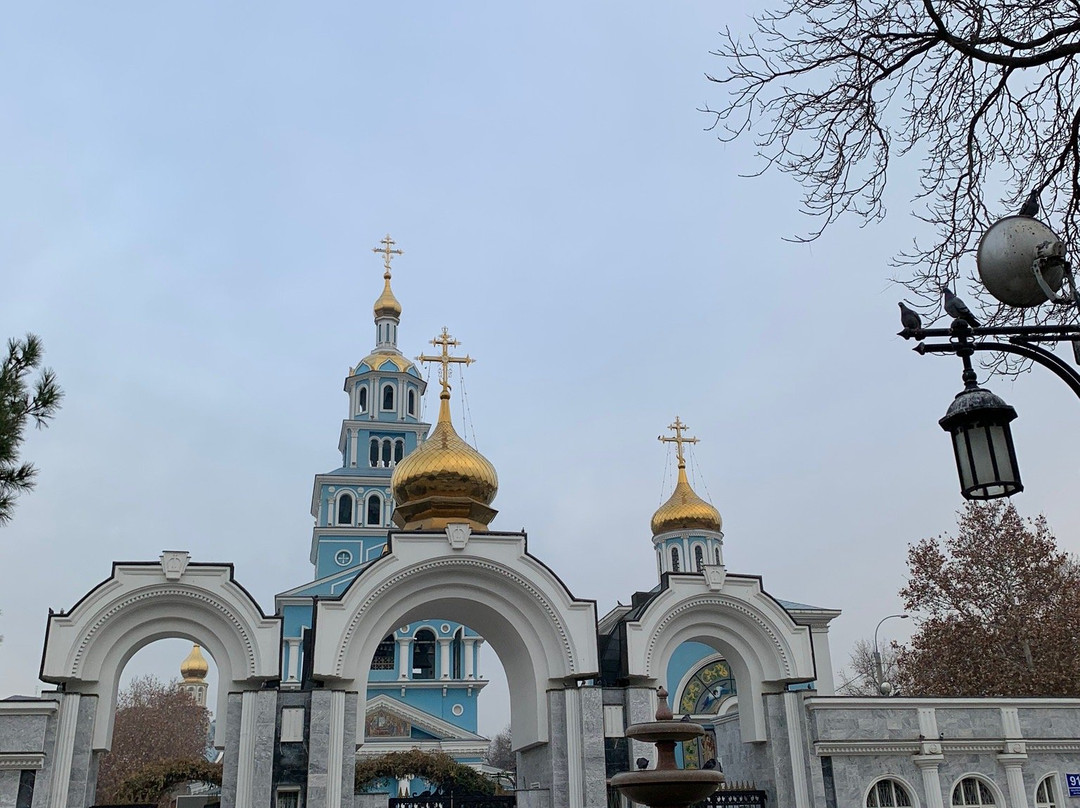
[379, 650]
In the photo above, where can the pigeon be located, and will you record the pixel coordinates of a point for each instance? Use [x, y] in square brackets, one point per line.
[642, 763]
[1031, 205]
[685, 719]
[957, 308]
[909, 319]
[711, 764]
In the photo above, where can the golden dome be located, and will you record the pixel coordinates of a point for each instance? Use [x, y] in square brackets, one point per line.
[685, 510]
[387, 305]
[195, 667]
[443, 480]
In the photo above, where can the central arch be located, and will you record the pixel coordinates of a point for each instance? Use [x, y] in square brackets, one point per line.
[543, 635]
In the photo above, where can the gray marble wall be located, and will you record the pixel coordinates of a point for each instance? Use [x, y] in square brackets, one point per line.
[84, 761]
[232, 751]
[9, 787]
[364, 800]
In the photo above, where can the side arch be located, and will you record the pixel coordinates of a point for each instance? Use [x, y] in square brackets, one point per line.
[544, 637]
[87, 648]
[765, 649]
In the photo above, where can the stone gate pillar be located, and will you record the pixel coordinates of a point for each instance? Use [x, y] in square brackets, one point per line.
[248, 774]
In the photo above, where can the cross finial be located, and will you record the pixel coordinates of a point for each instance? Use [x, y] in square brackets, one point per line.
[388, 253]
[678, 440]
[445, 341]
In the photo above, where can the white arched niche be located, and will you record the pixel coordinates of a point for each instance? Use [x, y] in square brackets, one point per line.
[87, 648]
[544, 637]
[765, 649]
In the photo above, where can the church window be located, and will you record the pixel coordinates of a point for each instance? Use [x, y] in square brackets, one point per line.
[344, 509]
[343, 558]
[718, 556]
[674, 559]
[423, 654]
[387, 448]
[1046, 793]
[388, 397]
[888, 794]
[457, 650]
[374, 510]
[699, 557]
[373, 452]
[361, 399]
[708, 688]
[384, 655]
[412, 402]
[971, 791]
[399, 450]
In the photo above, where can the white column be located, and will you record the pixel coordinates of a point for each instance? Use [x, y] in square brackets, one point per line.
[352, 455]
[1014, 775]
[294, 659]
[476, 672]
[65, 746]
[792, 717]
[444, 657]
[574, 754]
[337, 745]
[245, 771]
[403, 657]
[931, 779]
[469, 667]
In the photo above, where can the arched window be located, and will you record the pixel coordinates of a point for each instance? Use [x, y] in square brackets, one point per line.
[373, 452]
[699, 557]
[423, 654]
[384, 655]
[708, 688]
[457, 649]
[972, 791]
[718, 556]
[361, 399]
[388, 397]
[374, 510]
[399, 450]
[344, 509]
[674, 559]
[888, 794]
[1046, 793]
[412, 402]
[387, 448]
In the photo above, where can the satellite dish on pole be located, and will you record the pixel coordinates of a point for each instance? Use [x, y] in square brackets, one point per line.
[1009, 255]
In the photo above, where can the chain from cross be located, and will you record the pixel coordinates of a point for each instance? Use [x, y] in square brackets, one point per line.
[678, 440]
[446, 342]
[388, 253]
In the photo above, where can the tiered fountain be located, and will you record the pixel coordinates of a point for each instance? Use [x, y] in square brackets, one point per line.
[666, 786]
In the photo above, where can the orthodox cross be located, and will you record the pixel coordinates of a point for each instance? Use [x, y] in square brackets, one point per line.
[445, 341]
[678, 440]
[388, 253]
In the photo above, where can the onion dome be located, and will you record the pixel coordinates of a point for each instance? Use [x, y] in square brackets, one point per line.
[685, 510]
[443, 481]
[387, 305]
[194, 668]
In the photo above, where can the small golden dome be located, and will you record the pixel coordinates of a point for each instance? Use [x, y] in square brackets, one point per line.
[443, 480]
[685, 510]
[387, 305]
[195, 667]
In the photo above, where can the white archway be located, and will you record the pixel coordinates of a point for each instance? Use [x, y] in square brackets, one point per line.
[87, 648]
[765, 649]
[543, 635]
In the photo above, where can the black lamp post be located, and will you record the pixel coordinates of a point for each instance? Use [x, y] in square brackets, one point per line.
[1015, 255]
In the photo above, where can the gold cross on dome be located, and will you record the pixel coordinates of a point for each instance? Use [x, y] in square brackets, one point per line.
[388, 253]
[678, 440]
[445, 341]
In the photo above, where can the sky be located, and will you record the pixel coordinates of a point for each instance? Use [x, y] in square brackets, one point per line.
[189, 198]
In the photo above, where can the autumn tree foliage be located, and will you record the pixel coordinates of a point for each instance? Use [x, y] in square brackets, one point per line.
[997, 609]
[156, 723]
[979, 99]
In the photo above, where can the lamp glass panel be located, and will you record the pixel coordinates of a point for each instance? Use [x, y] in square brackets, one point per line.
[1000, 437]
[982, 456]
[963, 464]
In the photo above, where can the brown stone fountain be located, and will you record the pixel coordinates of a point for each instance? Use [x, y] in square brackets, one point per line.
[666, 786]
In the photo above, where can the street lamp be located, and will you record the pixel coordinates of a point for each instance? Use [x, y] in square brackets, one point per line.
[1022, 263]
[884, 688]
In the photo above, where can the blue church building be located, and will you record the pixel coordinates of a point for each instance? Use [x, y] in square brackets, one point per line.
[424, 680]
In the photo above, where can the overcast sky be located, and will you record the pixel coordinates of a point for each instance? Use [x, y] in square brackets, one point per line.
[189, 198]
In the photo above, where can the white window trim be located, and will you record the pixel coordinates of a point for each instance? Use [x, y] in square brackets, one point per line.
[1055, 786]
[999, 798]
[910, 789]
